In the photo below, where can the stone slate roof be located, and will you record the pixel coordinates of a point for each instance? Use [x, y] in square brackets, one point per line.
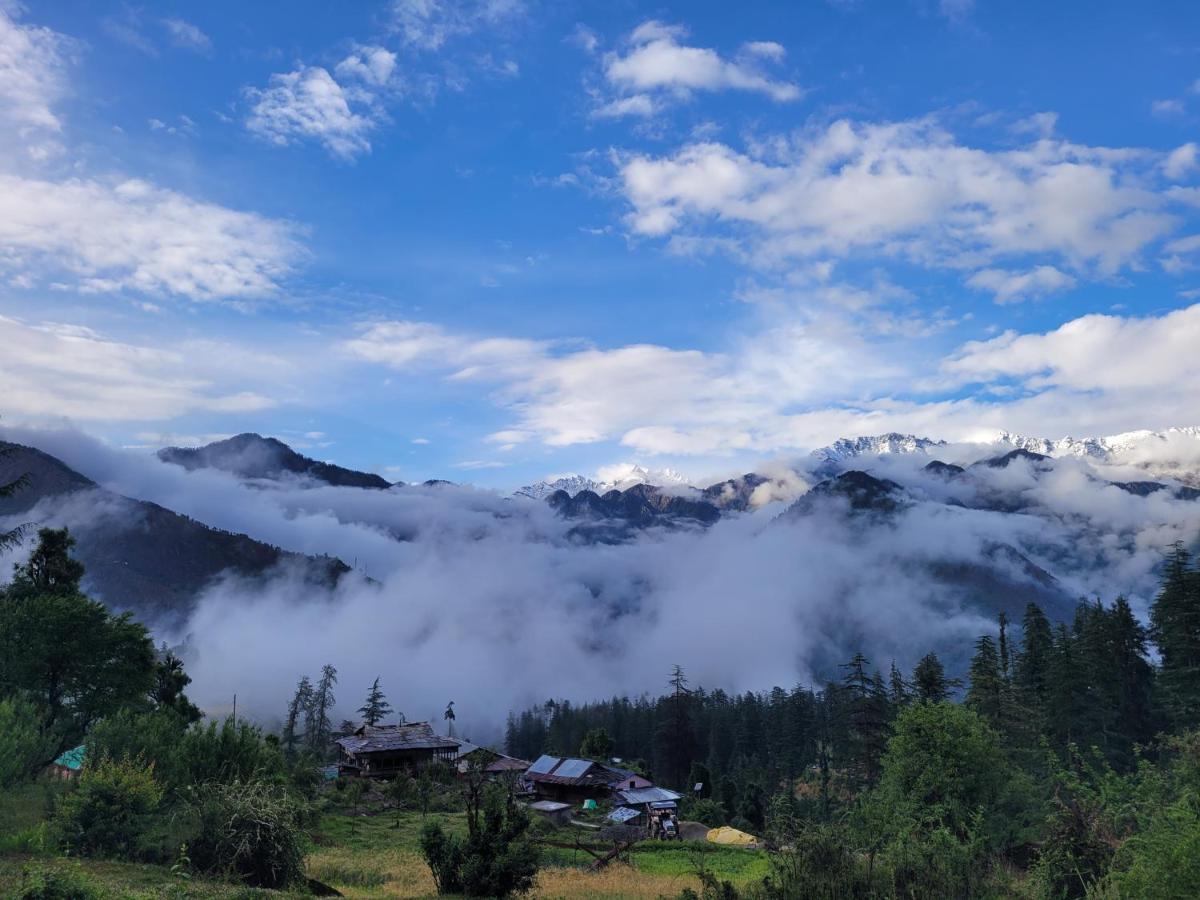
[383, 738]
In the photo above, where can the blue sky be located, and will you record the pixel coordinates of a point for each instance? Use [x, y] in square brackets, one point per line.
[494, 240]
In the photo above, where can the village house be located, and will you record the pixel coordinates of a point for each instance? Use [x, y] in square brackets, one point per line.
[385, 751]
[573, 781]
[493, 763]
[68, 764]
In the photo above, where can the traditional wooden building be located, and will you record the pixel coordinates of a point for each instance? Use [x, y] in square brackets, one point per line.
[384, 751]
[492, 762]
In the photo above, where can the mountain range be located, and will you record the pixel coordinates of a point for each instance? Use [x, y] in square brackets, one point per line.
[139, 555]
[143, 556]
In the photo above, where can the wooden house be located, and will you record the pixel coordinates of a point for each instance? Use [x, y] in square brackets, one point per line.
[385, 751]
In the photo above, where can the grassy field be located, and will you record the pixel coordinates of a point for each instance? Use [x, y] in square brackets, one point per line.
[371, 855]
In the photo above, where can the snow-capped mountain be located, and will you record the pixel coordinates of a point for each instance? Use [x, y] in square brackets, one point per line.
[1131, 446]
[572, 484]
[612, 478]
[625, 475]
[893, 442]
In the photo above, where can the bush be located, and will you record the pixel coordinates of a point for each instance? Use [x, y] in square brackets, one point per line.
[823, 865]
[251, 830]
[495, 860]
[109, 809]
[23, 747]
[55, 884]
[706, 811]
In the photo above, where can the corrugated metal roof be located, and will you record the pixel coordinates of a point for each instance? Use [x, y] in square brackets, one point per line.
[623, 814]
[543, 765]
[647, 795]
[413, 736]
[572, 768]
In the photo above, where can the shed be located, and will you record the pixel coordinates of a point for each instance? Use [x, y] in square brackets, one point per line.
[556, 813]
[67, 765]
[572, 780]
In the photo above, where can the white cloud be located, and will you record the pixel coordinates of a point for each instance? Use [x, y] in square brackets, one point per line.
[1010, 287]
[372, 65]
[308, 103]
[907, 190]
[105, 236]
[185, 34]
[1093, 353]
[1166, 109]
[956, 10]
[429, 24]
[656, 63]
[32, 79]
[50, 371]
[1180, 162]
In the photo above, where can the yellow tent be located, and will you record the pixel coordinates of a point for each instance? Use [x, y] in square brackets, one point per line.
[727, 835]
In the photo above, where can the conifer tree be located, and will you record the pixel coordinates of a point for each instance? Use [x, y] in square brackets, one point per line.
[986, 692]
[299, 705]
[868, 718]
[1032, 670]
[929, 679]
[1175, 627]
[319, 727]
[376, 708]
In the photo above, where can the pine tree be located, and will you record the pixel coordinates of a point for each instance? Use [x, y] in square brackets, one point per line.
[986, 694]
[320, 728]
[1175, 628]
[300, 704]
[899, 690]
[376, 708]
[868, 718]
[1032, 670]
[929, 679]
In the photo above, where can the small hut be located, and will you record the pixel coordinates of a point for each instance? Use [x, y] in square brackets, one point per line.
[67, 765]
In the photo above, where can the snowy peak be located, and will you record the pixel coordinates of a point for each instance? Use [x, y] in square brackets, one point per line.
[572, 484]
[1131, 446]
[612, 478]
[893, 442]
[626, 475]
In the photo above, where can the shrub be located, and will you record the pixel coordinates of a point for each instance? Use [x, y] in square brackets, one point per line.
[55, 884]
[495, 860]
[706, 811]
[109, 809]
[153, 736]
[251, 830]
[22, 745]
[823, 865]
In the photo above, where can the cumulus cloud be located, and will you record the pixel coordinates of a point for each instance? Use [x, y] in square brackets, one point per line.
[310, 104]
[104, 236]
[906, 190]
[50, 370]
[786, 386]
[1180, 161]
[1009, 287]
[656, 67]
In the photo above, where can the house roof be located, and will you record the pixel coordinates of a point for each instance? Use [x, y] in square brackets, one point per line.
[548, 806]
[578, 772]
[623, 814]
[639, 796]
[410, 736]
[72, 759]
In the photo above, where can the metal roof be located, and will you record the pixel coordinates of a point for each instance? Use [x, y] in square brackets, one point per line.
[543, 765]
[548, 806]
[413, 736]
[572, 768]
[647, 795]
[71, 759]
[623, 814]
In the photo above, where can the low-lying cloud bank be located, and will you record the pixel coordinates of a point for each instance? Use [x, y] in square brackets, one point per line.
[466, 595]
